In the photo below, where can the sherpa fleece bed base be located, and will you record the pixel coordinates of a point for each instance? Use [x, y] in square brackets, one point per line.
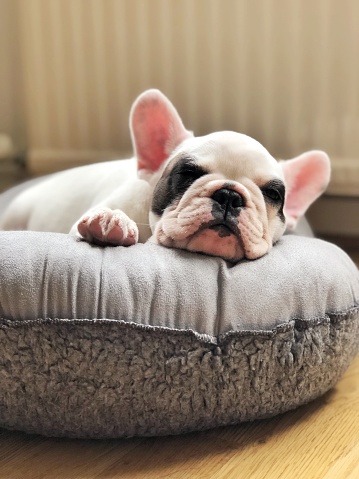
[111, 342]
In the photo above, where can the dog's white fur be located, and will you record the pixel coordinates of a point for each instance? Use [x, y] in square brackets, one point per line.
[110, 202]
[221, 154]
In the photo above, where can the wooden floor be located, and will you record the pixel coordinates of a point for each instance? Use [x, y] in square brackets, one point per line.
[317, 441]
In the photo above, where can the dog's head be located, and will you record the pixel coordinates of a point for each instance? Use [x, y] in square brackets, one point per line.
[222, 194]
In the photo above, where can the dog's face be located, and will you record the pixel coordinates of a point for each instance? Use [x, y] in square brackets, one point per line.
[222, 194]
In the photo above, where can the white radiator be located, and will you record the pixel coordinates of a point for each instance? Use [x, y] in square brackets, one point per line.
[283, 71]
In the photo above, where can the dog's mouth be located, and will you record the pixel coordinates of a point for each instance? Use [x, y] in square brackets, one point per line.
[222, 230]
[224, 227]
[218, 238]
[223, 235]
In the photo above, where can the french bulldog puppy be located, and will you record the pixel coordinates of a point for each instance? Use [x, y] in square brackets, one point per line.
[222, 194]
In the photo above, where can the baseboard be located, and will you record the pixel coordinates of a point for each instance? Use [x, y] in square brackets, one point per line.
[345, 177]
[335, 216]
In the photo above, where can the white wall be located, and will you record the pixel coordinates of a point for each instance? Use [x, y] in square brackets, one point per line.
[283, 71]
[11, 104]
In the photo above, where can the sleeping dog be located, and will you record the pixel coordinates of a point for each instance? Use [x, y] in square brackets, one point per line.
[221, 194]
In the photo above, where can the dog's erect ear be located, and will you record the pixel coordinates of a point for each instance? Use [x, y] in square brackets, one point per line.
[156, 129]
[306, 177]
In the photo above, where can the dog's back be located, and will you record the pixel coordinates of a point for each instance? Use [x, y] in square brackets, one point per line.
[55, 202]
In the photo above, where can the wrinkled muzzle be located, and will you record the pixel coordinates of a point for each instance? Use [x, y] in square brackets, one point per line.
[217, 218]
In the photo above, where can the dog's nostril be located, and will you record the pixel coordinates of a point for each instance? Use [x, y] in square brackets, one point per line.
[237, 201]
[228, 198]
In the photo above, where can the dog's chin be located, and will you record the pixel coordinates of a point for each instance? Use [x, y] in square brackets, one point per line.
[217, 241]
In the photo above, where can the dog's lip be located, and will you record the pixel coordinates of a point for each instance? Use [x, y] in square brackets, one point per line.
[224, 228]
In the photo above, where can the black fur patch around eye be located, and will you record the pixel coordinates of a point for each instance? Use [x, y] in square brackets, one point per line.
[274, 194]
[174, 185]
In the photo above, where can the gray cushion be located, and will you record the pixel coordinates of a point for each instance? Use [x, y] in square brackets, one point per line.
[108, 342]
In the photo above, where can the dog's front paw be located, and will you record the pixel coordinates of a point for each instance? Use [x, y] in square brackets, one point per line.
[108, 227]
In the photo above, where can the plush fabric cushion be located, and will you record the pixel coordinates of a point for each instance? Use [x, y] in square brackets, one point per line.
[108, 342]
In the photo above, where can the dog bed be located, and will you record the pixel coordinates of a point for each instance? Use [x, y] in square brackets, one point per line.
[109, 342]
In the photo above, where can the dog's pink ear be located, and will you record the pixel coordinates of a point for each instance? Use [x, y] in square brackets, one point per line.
[306, 177]
[156, 129]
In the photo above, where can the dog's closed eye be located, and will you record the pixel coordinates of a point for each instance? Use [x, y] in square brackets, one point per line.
[175, 183]
[274, 191]
[189, 168]
[272, 194]
[184, 174]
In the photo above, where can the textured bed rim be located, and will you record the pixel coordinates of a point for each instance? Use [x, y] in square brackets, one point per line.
[296, 323]
[179, 383]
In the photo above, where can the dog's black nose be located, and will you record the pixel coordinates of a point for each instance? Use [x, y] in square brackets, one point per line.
[228, 199]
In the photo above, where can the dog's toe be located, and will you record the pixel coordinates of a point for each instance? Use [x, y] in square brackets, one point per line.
[108, 227]
[122, 232]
